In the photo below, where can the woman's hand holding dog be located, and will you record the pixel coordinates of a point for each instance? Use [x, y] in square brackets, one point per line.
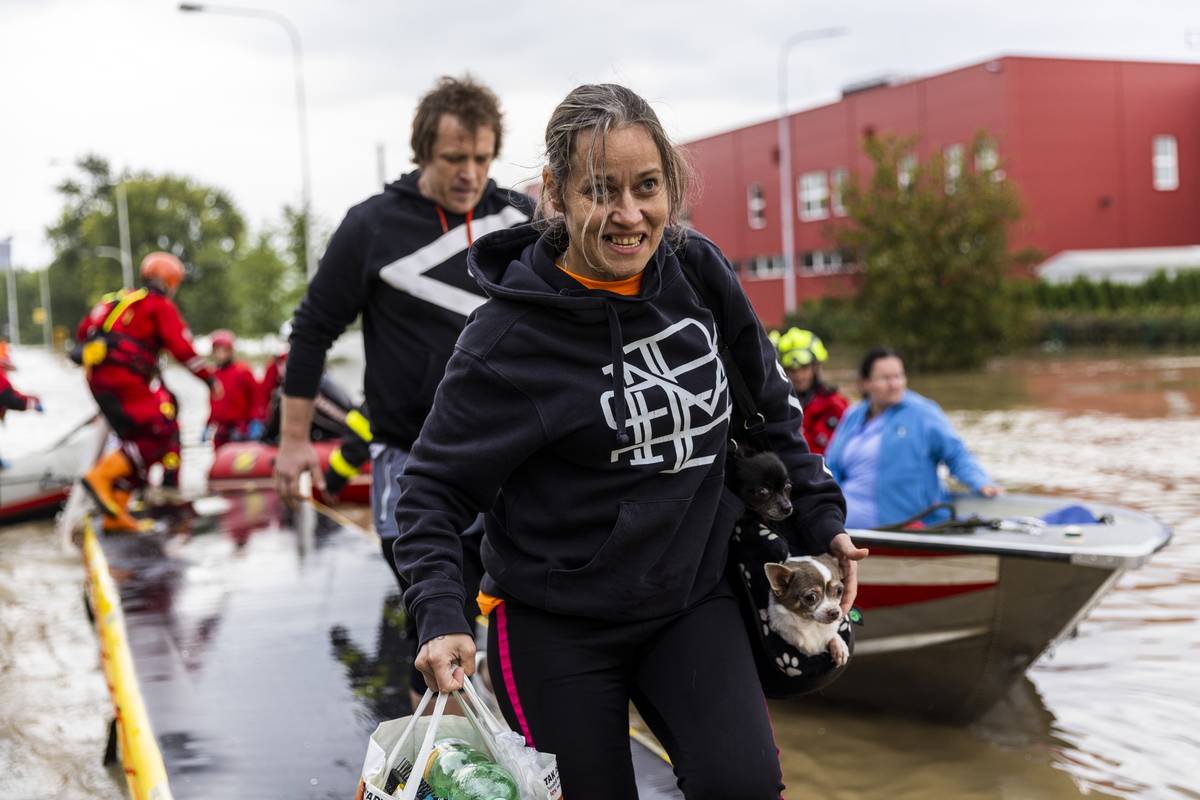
[848, 556]
[446, 661]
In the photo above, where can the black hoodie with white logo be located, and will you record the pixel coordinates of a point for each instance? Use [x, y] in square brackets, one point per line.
[601, 504]
[401, 264]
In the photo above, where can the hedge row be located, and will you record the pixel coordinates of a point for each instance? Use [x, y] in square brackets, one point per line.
[1181, 290]
[840, 323]
[1144, 327]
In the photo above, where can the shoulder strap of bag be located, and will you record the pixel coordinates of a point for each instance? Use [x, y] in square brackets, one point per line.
[743, 400]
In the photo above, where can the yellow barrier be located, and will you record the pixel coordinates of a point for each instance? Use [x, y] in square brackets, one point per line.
[140, 756]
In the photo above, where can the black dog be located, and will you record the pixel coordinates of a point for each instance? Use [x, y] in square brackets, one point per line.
[761, 481]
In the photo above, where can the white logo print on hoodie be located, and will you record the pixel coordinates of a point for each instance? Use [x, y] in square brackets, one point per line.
[673, 398]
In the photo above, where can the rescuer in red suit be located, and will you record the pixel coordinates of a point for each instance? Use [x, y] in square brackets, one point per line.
[119, 343]
[272, 377]
[10, 398]
[234, 410]
[801, 353]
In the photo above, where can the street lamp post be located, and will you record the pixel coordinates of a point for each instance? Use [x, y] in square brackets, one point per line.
[310, 260]
[785, 162]
[123, 232]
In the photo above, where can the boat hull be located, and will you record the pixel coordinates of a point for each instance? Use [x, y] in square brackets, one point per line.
[37, 484]
[249, 467]
[952, 619]
[950, 655]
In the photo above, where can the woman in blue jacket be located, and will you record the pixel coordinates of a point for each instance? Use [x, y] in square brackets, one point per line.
[887, 449]
[586, 411]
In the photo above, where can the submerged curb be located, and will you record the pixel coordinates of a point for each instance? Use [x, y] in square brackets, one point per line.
[140, 757]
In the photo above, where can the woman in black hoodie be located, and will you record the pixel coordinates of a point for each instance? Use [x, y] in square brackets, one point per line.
[586, 410]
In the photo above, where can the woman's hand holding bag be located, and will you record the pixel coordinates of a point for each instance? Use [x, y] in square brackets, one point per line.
[447, 661]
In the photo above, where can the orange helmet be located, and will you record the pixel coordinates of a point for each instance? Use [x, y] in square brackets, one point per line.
[164, 268]
[222, 337]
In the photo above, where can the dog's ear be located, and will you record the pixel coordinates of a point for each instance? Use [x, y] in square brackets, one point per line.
[779, 576]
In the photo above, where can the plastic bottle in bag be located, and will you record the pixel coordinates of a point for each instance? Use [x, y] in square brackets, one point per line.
[449, 756]
[483, 782]
[398, 778]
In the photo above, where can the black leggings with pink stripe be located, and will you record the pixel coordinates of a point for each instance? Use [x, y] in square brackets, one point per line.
[566, 683]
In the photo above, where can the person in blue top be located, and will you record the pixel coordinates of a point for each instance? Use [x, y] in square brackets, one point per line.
[887, 449]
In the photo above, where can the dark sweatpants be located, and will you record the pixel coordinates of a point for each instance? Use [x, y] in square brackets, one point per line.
[566, 682]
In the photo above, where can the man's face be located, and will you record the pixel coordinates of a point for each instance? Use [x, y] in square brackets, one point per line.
[457, 170]
[222, 354]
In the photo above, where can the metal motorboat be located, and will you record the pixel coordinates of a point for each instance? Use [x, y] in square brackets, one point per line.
[954, 616]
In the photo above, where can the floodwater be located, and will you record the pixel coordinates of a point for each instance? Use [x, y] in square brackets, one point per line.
[1111, 712]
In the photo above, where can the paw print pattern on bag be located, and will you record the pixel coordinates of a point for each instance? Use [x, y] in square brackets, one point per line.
[789, 664]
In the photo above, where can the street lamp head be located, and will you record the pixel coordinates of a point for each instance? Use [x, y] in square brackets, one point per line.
[191, 6]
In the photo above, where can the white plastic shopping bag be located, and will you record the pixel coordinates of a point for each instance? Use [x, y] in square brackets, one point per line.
[394, 757]
[536, 773]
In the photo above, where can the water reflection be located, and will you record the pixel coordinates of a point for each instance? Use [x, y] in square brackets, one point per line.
[379, 678]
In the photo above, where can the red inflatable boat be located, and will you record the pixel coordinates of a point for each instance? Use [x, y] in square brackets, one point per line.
[249, 466]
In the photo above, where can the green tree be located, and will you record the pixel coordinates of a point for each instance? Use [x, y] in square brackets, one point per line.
[936, 255]
[198, 223]
[260, 272]
[296, 223]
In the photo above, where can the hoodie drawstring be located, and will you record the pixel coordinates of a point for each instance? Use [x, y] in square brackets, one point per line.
[446, 226]
[617, 343]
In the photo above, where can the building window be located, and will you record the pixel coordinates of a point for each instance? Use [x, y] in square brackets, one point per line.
[814, 195]
[906, 170]
[766, 266]
[838, 178]
[1166, 163]
[823, 261]
[952, 157]
[756, 207]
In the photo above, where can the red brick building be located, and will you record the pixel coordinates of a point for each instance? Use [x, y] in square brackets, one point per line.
[1104, 154]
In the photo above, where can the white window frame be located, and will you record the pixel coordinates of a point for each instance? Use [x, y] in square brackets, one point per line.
[1164, 162]
[756, 207]
[906, 171]
[812, 192]
[824, 262]
[952, 158]
[767, 266]
[837, 183]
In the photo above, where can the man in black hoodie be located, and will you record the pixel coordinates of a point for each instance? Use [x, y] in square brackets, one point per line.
[399, 259]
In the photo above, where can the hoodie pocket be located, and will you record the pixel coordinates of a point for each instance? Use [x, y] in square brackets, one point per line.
[658, 553]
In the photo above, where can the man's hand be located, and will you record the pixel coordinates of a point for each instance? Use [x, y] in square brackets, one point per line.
[292, 459]
[990, 491]
[848, 556]
[446, 661]
[296, 454]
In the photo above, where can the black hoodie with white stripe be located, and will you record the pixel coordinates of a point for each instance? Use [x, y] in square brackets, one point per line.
[594, 427]
[403, 266]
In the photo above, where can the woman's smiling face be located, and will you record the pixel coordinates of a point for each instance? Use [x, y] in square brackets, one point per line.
[616, 208]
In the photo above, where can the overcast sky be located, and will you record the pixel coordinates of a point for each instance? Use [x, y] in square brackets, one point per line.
[212, 96]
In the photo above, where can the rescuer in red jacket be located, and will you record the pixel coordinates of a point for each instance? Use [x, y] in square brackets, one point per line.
[10, 398]
[801, 353]
[233, 411]
[119, 344]
[272, 377]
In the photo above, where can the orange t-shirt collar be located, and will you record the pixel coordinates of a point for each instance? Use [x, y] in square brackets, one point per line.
[628, 287]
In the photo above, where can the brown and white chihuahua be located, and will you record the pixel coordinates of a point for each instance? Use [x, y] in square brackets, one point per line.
[805, 605]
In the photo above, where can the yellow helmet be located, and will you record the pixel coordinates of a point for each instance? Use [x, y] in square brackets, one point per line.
[799, 348]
